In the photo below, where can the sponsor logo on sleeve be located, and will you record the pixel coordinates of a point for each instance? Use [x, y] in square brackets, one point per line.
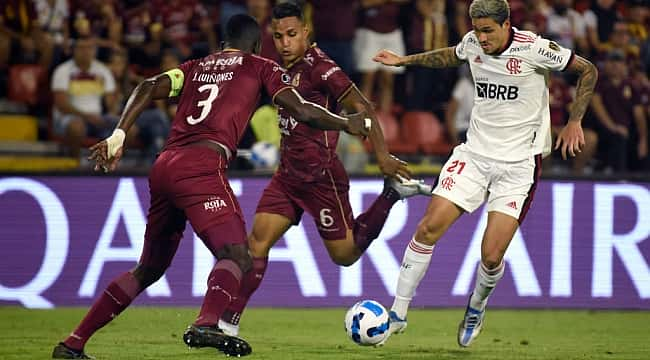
[330, 72]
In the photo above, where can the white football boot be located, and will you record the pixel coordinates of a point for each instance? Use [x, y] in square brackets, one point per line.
[395, 326]
[407, 188]
[470, 327]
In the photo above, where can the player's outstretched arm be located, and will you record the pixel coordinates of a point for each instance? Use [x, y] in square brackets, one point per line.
[318, 117]
[108, 152]
[439, 58]
[571, 139]
[354, 101]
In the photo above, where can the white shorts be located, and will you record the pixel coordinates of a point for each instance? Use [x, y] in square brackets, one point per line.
[368, 43]
[468, 179]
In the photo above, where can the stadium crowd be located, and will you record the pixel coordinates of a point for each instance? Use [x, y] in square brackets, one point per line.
[71, 65]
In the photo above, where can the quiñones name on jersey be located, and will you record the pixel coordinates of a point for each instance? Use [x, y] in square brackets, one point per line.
[511, 117]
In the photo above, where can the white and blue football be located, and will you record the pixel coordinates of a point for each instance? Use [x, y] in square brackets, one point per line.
[264, 155]
[366, 322]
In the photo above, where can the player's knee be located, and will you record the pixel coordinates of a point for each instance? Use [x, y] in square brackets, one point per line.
[343, 260]
[258, 246]
[237, 253]
[147, 275]
[491, 262]
[429, 231]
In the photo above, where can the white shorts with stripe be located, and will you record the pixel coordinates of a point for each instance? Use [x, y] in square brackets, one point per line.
[468, 179]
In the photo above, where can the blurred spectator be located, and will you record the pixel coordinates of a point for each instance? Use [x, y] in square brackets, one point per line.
[618, 108]
[619, 40]
[21, 41]
[379, 30]
[336, 39]
[186, 25]
[229, 8]
[53, 17]
[81, 86]
[427, 88]
[599, 20]
[100, 19]
[459, 108]
[637, 18]
[152, 125]
[261, 11]
[560, 99]
[566, 26]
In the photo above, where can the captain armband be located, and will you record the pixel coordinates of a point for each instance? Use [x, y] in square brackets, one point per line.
[177, 77]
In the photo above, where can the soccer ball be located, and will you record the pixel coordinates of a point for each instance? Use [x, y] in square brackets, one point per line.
[264, 155]
[366, 322]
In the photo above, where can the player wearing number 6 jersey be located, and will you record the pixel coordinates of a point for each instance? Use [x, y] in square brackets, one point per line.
[500, 162]
[311, 178]
[218, 94]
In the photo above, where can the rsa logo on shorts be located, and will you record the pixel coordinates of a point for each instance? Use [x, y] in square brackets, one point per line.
[214, 204]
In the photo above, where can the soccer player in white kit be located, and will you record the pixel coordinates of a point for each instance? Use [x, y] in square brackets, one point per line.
[501, 161]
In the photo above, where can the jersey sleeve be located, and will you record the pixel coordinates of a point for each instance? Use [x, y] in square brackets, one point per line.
[178, 75]
[461, 48]
[274, 78]
[331, 79]
[550, 55]
[60, 78]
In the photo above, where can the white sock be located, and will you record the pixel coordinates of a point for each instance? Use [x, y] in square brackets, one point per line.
[417, 257]
[486, 280]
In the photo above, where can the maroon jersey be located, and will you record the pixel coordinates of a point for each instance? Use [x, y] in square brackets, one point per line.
[305, 151]
[220, 93]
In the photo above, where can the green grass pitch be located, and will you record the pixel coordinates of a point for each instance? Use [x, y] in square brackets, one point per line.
[155, 333]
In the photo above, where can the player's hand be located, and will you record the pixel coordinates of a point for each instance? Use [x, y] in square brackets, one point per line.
[387, 57]
[359, 124]
[392, 166]
[100, 154]
[571, 139]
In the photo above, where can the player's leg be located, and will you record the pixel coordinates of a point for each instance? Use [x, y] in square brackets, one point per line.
[227, 242]
[461, 187]
[511, 194]
[267, 230]
[498, 234]
[346, 238]
[276, 212]
[165, 225]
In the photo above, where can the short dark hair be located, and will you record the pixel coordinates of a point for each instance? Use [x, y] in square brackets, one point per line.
[242, 32]
[287, 9]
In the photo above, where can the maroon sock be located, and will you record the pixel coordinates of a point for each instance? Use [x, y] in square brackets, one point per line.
[368, 225]
[250, 283]
[223, 284]
[115, 298]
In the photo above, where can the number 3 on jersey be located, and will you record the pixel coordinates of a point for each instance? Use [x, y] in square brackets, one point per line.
[205, 105]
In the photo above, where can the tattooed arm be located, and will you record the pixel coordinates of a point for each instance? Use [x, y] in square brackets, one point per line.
[571, 138]
[439, 58]
[585, 87]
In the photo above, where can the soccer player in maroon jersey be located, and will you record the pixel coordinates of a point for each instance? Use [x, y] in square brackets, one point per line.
[310, 177]
[218, 94]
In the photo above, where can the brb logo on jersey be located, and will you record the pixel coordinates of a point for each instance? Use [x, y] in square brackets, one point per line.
[495, 91]
[514, 66]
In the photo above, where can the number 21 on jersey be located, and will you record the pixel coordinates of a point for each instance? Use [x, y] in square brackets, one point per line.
[205, 105]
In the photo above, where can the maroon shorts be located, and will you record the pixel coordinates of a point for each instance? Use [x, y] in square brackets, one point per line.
[326, 200]
[189, 184]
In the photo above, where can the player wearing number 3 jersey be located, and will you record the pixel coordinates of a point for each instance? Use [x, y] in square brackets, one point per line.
[500, 162]
[218, 94]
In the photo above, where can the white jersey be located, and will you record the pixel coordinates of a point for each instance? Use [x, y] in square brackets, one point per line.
[511, 117]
